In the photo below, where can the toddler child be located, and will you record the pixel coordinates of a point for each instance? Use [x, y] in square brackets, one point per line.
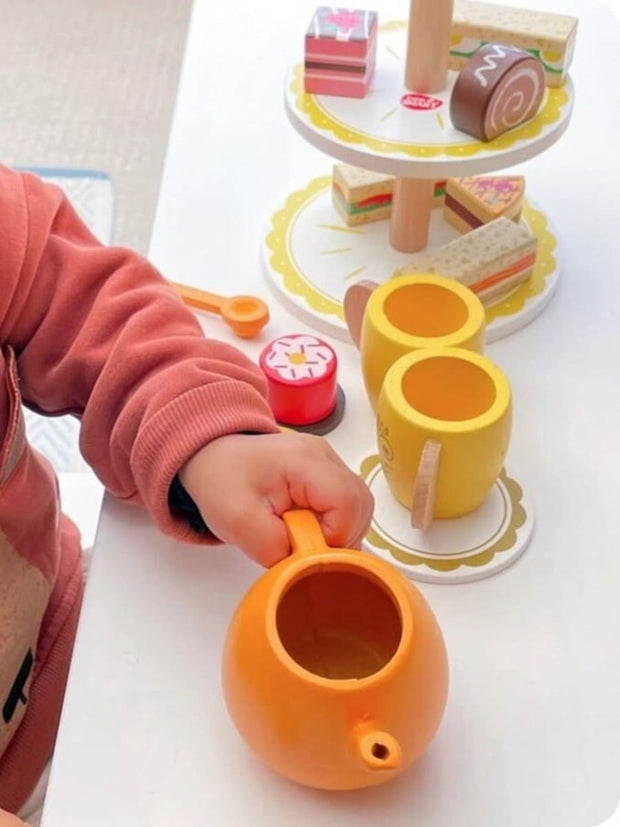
[170, 420]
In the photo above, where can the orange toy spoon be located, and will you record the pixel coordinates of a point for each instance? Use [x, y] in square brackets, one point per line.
[245, 315]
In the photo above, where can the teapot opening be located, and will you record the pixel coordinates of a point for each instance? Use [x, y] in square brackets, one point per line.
[339, 623]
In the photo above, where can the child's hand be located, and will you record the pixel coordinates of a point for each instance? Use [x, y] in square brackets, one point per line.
[8, 820]
[242, 485]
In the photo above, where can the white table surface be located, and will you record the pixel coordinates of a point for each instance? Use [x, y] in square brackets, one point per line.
[531, 734]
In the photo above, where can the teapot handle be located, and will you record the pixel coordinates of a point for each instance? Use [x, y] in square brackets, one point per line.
[304, 532]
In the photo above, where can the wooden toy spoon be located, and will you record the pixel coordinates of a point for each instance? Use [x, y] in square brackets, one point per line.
[245, 315]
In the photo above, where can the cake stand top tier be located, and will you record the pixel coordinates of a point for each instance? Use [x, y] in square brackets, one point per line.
[410, 135]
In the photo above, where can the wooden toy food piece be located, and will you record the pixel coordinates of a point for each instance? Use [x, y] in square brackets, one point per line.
[499, 88]
[245, 315]
[428, 44]
[334, 668]
[425, 488]
[361, 196]
[439, 194]
[549, 37]
[340, 52]
[491, 261]
[354, 306]
[301, 382]
[478, 199]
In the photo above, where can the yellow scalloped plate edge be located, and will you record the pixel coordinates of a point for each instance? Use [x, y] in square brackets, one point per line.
[504, 543]
[280, 258]
[294, 281]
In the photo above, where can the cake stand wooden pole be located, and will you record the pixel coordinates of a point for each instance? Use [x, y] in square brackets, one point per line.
[412, 205]
[426, 70]
[428, 45]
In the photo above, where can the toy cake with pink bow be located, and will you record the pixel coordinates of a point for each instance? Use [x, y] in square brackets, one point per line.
[340, 52]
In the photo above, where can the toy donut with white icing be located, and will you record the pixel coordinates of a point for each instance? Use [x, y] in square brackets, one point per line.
[499, 88]
[301, 380]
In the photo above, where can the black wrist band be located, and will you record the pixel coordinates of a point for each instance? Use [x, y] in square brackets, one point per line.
[183, 507]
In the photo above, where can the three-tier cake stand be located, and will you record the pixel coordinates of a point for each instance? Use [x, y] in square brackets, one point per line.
[311, 257]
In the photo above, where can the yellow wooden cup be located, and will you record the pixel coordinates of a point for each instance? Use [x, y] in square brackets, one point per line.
[407, 313]
[453, 397]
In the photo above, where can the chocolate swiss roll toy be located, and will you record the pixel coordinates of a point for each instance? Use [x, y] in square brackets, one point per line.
[499, 88]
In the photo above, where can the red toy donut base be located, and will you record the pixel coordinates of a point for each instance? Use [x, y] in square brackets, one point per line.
[301, 379]
[327, 425]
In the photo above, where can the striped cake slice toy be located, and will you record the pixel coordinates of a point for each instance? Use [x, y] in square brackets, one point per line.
[476, 200]
[492, 260]
[340, 52]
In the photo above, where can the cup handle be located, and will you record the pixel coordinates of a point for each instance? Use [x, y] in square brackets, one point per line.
[354, 307]
[304, 532]
[425, 488]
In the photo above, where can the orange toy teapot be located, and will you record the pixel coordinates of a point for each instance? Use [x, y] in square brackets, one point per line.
[335, 670]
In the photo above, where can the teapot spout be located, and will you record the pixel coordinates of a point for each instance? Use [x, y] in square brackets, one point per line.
[380, 751]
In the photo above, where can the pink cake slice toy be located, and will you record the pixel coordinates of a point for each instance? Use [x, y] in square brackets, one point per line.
[340, 52]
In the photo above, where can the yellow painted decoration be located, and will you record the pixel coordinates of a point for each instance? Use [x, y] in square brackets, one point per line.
[282, 259]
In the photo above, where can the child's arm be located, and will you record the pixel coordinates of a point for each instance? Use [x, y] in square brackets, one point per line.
[97, 332]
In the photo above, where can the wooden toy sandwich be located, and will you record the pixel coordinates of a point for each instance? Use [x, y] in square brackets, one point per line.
[547, 36]
[361, 196]
[491, 261]
[498, 89]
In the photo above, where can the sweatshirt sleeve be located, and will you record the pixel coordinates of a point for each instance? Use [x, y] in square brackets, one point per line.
[98, 333]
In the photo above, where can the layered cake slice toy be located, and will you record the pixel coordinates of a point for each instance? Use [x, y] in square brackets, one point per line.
[340, 52]
[492, 260]
[476, 200]
[498, 89]
[547, 36]
[361, 196]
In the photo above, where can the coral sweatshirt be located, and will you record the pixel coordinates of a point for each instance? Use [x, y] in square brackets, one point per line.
[95, 332]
